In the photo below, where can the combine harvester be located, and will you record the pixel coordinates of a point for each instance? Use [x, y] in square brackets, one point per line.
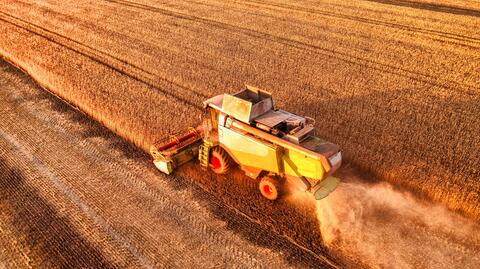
[267, 143]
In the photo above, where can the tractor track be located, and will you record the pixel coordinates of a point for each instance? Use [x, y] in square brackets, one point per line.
[462, 40]
[103, 58]
[145, 45]
[302, 46]
[474, 42]
[23, 146]
[148, 78]
[436, 7]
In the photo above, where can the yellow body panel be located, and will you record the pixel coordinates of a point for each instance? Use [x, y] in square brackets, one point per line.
[298, 164]
[248, 151]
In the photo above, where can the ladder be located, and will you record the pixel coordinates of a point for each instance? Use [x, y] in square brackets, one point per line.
[204, 152]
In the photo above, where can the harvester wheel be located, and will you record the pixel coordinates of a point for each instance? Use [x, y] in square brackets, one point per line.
[270, 187]
[220, 162]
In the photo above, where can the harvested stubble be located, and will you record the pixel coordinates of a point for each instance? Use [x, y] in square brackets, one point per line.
[395, 85]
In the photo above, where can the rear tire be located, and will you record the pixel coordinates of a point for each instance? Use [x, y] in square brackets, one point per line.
[219, 161]
[270, 187]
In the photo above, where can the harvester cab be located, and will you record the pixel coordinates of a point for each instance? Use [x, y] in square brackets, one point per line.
[245, 129]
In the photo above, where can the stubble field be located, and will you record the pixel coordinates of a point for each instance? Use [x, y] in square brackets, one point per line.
[395, 83]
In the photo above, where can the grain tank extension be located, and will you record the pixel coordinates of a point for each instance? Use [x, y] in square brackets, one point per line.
[273, 145]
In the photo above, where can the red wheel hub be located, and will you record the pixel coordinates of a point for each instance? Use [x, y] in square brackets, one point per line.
[267, 190]
[215, 162]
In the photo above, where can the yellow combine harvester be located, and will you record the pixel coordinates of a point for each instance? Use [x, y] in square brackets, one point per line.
[265, 142]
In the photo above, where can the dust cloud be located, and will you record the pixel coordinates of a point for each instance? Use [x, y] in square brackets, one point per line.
[381, 227]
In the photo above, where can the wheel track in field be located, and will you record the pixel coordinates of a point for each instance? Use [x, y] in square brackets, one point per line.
[393, 13]
[117, 34]
[144, 46]
[112, 62]
[428, 32]
[130, 179]
[436, 7]
[313, 24]
[358, 48]
[141, 44]
[342, 56]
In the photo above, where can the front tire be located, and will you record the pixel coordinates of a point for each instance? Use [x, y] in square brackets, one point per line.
[219, 161]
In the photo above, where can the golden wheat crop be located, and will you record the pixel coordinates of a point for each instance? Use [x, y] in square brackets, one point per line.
[396, 86]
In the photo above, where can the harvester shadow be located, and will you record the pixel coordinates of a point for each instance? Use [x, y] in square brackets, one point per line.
[34, 222]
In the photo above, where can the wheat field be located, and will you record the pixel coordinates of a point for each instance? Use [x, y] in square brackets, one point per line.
[394, 83]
